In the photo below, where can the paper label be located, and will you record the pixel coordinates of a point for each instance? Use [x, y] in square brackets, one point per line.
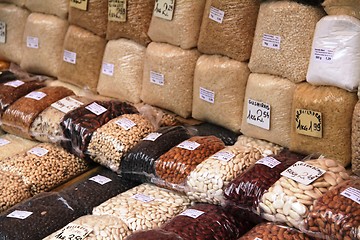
[125, 123]
[258, 114]
[207, 95]
[152, 137]
[96, 108]
[79, 4]
[271, 41]
[216, 14]
[157, 78]
[19, 214]
[2, 32]
[303, 173]
[268, 161]
[117, 10]
[3, 142]
[73, 232]
[223, 156]
[32, 42]
[189, 145]
[67, 104]
[15, 84]
[143, 198]
[36, 95]
[108, 69]
[193, 213]
[352, 193]
[257, 238]
[323, 55]
[164, 9]
[308, 122]
[100, 179]
[69, 57]
[38, 151]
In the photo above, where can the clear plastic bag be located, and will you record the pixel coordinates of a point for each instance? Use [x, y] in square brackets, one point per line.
[59, 8]
[342, 7]
[11, 145]
[156, 234]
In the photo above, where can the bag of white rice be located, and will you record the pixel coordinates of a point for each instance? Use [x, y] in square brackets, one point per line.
[168, 77]
[12, 24]
[283, 38]
[228, 28]
[122, 70]
[219, 90]
[59, 8]
[20, 3]
[342, 7]
[267, 108]
[83, 53]
[181, 27]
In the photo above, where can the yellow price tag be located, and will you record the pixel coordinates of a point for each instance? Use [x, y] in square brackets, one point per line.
[308, 122]
[117, 10]
[80, 4]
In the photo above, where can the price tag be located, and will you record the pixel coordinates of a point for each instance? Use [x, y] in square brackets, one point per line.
[308, 122]
[67, 104]
[125, 123]
[32, 42]
[323, 55]
[271, 41]
[38, 151]
[258, 114]
[73, 232]
[257, 238]
[164, 9]
[2, 32]
[303, 173]
[216, 14]
[79, 4]
[3, 142]
[100, 179]
[36, 95]
[69, 57]
[19, 214]
[143, 198]
[352, 193]
[223, 156]
[268, 161]
[207, 95]
[193, 213]
[96, 108]
[108, 69]
[152, 137]
[117, 10]
[15, 84]
[189, 145]
[157, 78]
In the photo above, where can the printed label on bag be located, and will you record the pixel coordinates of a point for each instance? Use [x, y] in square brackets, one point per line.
[216, 14]
[189, 145]
[96, 108]
[271, 41]
[323, 55]
[2, 32]
[19, 214]
[32, 42]
[67, 104]
[38, 151]
[125, 123]
[223, 156]
[79, 4]
[143, 198]
[73, 232]
[69, 57]
[268, 161]
[257, 238]
[100, 179]
[15, 83]
[164, 9]
[36, 95]
[193, 213]
[152, 137]
[258, 114]
[157, 78]
[3, 142]
[117, 10]
[308, 122]
[108, 69]
[352, 193]
[207, 95]
[303, 173]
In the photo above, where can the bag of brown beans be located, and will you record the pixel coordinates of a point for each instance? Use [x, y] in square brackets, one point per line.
[156, 234]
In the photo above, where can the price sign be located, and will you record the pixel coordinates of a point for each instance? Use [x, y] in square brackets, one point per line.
[193, 213]
[323, 55]
[223, 156]
[271, 41]
[308, 122]
[143, 198]
[216, 14]
[19, 214]
[268, 161]
[152, 137]
[117, 10]
[157, 78]
[100, 179]
[36, 95]
[15, 84]
[73, 232]
[79, 4]
[189, 145]
[69, 57]
[2, 32]
[3, 142]
[207, 95]
[38, 151]
[164, 9]
[67, 104]
[125, 123]
[303, 173]
[258, 114]
[352, 193]
[96, 108]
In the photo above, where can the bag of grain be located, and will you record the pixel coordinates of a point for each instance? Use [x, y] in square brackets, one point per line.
[180, 25]
[321, 121]
[83, 53]
[11, 145]
[219, 89]
[59, 8]
[20, 3]
[342, 7]
[355, 140]
[12, 24]
[228, 28]
[335, 54]
[283, 37]
[168, 77]
[57, 83]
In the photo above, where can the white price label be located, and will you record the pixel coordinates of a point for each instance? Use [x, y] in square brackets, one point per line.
[352, 193]
[164, 9]
[32, 42]
[117, 10]
[3, 142]
[157, 78]
[268, 161]
[67, 104]
[216, 14]
[207, 95]
[303, 173]
[100, 179]
[69, 57]
[125, 123]
[38, 151]
[152, 136]
[36, 95]
[2, 32]
[223, 156]
[257, 238]
[189, 145]
[323, 55]
[271, 41]
[73, 232]
[19, 214]
[258, 114]
[15, 83]
[143, 198]
[193, 213]
[96, 108]
[108, 69]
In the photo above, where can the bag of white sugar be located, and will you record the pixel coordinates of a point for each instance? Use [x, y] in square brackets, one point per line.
[342, 7]
[59, 8]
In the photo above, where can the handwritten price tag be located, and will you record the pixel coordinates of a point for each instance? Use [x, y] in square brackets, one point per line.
[143, 198]
[164, 9]
[32, 42]
[303, 173]
[268, 161]
[258, 114]
[308, 122]
[157, 78]
[66, 104]
[36, 95]
[15, 84]
[96, 108]
[73, 232]
[79, 4]
[223, 156]
[117, 10]
[125, 123]
[69, 57]
[108, 69]
[152, 136]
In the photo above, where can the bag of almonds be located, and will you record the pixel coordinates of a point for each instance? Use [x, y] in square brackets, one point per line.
[336, 215]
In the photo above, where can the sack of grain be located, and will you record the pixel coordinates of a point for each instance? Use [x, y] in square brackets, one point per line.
[138, 16]
[321, 121]
[168, 77]
[267, 108]
[14, 19]
[219, 89]
[355, 140]
[93, 19]
[182, 27]
[43, 40]
[342, 7]
[283, 38]
[122, 70]
[59, 8]
[19, 3]
[83, 53]
[335, 54]
[228, 28]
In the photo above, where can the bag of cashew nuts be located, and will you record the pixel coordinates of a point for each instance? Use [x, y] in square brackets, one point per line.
[79, 125]
[139, 163]
[336, 215]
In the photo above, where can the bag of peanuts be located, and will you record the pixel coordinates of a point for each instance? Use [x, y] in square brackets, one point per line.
[156, 234]
[11, 145]
[336, 215]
